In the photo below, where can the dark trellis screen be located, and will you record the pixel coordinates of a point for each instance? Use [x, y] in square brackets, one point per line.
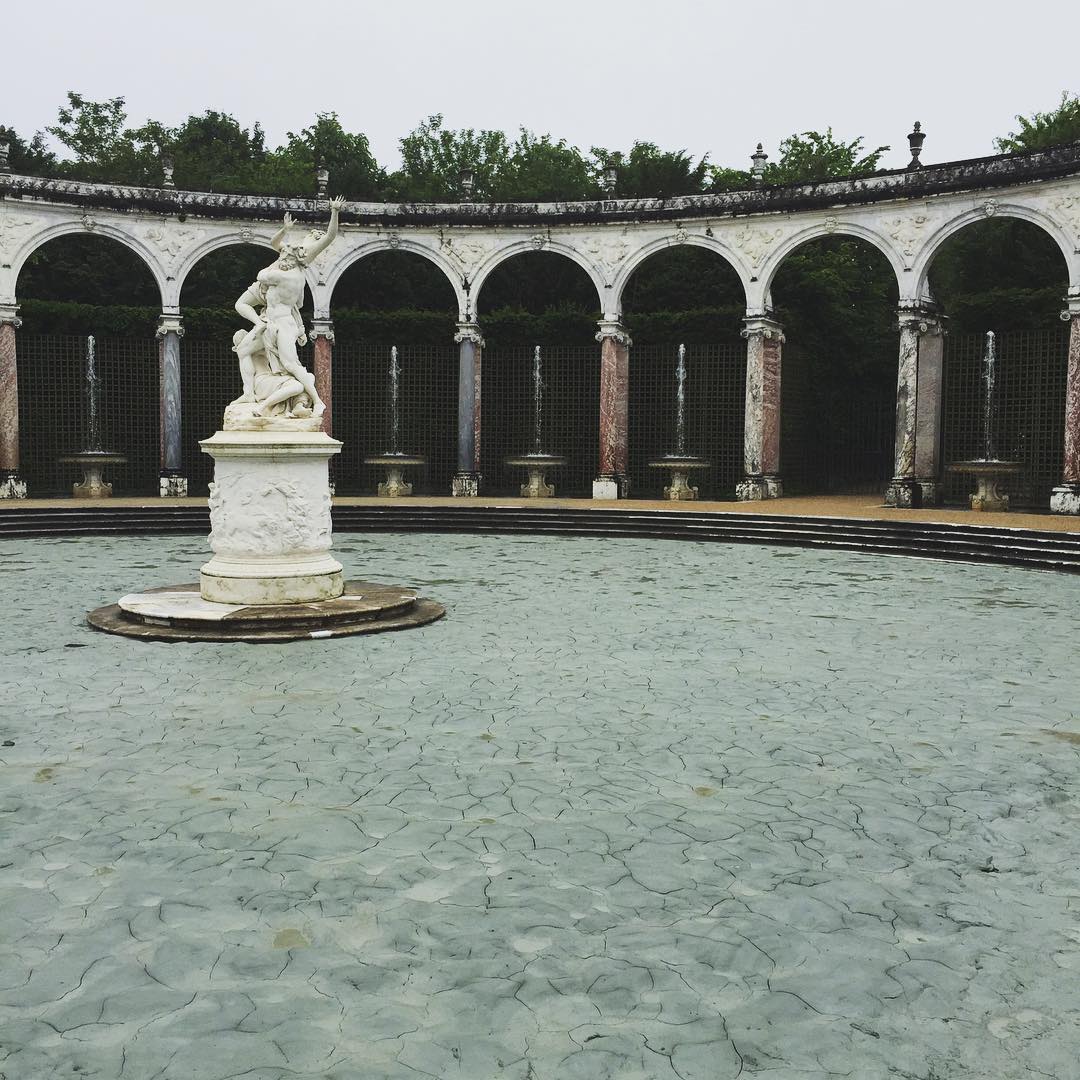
[835, 439]
[53, 410]
[715, 409]
[1028, 417]
[571, 415]
[428, 414]
[209, 380]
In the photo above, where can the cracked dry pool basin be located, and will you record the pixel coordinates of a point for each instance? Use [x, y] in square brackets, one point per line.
[636, 808]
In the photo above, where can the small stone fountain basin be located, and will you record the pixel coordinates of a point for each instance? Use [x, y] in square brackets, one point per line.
[92, 462]
[680, 466]
[988, 473]
[537, 464]
[395, 465]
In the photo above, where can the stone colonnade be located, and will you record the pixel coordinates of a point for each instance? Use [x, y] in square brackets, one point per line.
[918, 464]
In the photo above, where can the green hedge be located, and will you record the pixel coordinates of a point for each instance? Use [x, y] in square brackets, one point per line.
[506, 327]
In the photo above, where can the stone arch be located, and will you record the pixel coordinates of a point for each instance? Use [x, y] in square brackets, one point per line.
[350, 258]
[821, 230]
[653, 247]
[935, 242]
[520, 247]
[101, 228]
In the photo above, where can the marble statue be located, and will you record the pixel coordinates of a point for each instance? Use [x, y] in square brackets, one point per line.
[276, 385]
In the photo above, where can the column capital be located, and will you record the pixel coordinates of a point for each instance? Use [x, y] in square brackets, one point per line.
[170, 324]
[469, 331]
[922, 318]
[1072, 304]
[763, 325]
[9, 315]
[613, 328]
[322, 328]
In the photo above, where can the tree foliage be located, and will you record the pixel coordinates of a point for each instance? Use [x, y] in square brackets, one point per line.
[813, 155]
[1040, 130]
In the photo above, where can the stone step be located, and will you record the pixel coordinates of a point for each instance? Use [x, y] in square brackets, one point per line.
[1037, 549]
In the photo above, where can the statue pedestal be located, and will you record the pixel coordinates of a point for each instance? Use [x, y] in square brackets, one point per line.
[270, 528]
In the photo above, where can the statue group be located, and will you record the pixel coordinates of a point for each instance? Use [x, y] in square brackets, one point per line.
[276, 385]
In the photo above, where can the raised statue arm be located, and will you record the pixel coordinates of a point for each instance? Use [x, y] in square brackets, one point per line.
[279, 237]
[316, 247]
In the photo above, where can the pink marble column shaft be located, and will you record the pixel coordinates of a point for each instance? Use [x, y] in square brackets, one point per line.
[323, 335]
[614, 402]
[770, 405]
[1071, 464]
[9, 398]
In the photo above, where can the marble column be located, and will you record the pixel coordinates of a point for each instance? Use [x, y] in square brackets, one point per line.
[173, 483]
[907, 485]
[470, 342]
[322, 337]
[761, 432]
[929, 404]
[1065, 498]
[613, 481]
[12, 486]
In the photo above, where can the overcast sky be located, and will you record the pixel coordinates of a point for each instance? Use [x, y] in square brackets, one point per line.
[708, 77]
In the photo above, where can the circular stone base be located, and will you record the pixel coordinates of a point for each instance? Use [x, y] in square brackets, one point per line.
[179, 613]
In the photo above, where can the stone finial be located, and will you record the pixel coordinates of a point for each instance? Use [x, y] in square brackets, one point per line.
[322, 181]
[915, 141]
[167, 169]
[467, 180]
[757, 166]
[5, 150]
[611, 175]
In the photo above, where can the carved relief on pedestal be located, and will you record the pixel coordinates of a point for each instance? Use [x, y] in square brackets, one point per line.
[249, 513]
[908, 233]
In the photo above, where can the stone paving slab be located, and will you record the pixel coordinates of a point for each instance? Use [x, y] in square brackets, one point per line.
[634, 809]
